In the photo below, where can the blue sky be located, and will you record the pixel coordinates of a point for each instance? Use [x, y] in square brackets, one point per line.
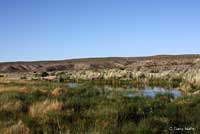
[64, 29]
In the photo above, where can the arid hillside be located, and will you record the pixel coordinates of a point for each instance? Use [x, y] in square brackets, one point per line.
[152, 63]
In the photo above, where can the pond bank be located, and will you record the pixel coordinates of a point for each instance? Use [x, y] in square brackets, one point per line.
[186, 81]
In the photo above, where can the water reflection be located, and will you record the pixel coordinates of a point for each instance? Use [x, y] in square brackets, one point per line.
[131, 90]
[72, 85]
[156, 90]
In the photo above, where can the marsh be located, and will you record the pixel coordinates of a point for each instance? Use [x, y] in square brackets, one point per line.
[59, 107]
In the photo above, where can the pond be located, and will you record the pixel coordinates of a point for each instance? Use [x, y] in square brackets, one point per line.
[156, 90]
[132, 91]
[72, 85]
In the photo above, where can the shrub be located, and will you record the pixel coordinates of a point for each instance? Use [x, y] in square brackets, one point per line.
[44, 74]
[61, 79]
[138, 68]
[23, 78]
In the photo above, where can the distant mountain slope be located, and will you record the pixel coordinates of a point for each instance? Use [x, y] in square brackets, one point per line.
[161, 61]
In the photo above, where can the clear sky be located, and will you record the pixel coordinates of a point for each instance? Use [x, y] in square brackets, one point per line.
[64, 29]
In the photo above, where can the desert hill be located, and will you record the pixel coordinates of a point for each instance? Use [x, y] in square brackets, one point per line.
[161, 62]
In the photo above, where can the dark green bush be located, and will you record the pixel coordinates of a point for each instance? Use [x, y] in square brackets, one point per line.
[44, 74]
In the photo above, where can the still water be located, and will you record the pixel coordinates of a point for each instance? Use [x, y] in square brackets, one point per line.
[131, 91]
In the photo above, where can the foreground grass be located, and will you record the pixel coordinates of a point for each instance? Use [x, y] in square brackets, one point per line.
[44, 107]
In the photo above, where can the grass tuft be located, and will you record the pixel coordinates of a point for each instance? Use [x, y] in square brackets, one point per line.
[38, 109]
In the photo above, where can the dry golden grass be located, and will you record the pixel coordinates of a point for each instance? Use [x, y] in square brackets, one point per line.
[14, 88]
[3, 80]
[23, 89]
[40, 108]
[183, 102]
[7, 80]
[18, 128]
[11, 106]
[59, 91]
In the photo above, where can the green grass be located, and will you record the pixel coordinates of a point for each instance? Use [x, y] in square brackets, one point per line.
[90, 110]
